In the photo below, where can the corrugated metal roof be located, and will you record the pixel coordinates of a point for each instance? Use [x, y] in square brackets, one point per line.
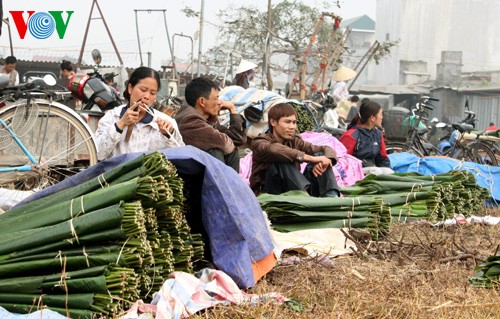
[478, 90]
[363, 22]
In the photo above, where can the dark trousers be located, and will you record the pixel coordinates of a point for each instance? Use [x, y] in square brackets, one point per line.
[284, 177]
[232, 159]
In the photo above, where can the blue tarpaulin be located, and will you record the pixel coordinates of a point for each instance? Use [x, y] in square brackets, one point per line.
[231, 214]
[40, 314]
[486, 176]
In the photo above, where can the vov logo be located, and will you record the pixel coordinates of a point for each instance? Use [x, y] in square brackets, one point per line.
[41, 25]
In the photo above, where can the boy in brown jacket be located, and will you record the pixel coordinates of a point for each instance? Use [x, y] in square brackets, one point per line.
[278, 154]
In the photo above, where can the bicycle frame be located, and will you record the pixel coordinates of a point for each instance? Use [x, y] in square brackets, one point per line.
[22, 168]
[414, 140]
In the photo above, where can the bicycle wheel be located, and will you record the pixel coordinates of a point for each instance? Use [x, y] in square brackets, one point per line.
[399, 147]
[476, 152]
[395, 147]
[58, 139]
[483, 154]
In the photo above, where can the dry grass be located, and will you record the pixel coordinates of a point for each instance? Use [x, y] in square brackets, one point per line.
[417, 272]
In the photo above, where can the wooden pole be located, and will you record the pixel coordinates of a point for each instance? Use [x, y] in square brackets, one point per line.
[375, 47]
[80, 57]
[326, 53]
[109, 33]
[79, 62]
[299, 70]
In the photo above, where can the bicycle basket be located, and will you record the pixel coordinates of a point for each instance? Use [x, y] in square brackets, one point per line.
[393, 123]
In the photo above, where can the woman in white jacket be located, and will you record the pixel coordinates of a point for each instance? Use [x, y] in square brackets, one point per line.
[135, 126]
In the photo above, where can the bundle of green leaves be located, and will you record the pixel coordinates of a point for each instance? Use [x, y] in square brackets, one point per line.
[376, 201]
[99, 246]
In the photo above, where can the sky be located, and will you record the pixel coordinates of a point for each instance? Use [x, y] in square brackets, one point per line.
[120, 16]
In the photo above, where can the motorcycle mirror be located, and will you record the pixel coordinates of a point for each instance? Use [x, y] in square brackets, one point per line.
[440, 125]
[49, 79]
[96, 56]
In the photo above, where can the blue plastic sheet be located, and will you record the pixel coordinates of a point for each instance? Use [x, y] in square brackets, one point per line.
[40, 314]
[486, 176]
[231, 214]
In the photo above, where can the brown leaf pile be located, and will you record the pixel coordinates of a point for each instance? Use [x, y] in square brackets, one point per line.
[417, 271]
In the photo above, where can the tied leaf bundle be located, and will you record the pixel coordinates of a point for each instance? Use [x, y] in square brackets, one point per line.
[296, 210]
[488, 273]
[94, 249]
[431, 197]
[376, 201]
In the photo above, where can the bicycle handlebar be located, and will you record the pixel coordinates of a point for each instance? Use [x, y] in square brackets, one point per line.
[423, 101]
[27, 89]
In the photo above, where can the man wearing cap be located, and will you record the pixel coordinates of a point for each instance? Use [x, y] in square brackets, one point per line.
[109, 80]
[244, 74]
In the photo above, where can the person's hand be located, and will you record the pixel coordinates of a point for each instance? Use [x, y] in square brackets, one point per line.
[166, 127]
[228, 105]
[131, 116]
[322, 164]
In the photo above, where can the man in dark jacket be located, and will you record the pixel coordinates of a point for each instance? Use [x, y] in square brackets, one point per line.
[277, 157]
[200, 127]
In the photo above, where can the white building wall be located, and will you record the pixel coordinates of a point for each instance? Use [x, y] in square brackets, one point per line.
[360, 42]
[427, 27]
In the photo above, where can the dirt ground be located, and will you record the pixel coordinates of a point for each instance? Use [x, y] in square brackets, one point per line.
[417, 271]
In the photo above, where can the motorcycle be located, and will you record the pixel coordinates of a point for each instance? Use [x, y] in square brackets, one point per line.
[94, 93]
[92, 90]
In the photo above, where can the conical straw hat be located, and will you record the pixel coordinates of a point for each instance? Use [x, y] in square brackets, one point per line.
[245, 66]
[343, 74]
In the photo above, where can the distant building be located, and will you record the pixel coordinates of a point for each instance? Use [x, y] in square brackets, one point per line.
[425, 28]
[359, 42]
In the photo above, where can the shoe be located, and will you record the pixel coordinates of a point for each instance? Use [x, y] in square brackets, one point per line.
[332, 193]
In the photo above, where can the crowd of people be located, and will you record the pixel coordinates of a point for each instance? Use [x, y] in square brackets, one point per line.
[277, 155]
[136, 126]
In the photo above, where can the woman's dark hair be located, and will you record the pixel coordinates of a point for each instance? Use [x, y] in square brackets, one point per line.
[199, 87]
[367, 109]
[278, 111]
[67, 65]
[141, 73]
[354, 98]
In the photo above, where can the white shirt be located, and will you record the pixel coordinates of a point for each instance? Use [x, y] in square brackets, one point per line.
[13, 76]
[331, 118]
[145, 136]
[340, 92]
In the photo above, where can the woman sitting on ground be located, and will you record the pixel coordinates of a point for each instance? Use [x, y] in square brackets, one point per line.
[364, 139]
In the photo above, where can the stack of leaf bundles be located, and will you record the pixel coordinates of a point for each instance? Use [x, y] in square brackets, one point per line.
[96, 248]
[427, 197]
[376, 201]
[296, 210]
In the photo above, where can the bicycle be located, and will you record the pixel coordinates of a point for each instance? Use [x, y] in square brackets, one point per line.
[415, 141]
[41, 141]
[470, 147]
